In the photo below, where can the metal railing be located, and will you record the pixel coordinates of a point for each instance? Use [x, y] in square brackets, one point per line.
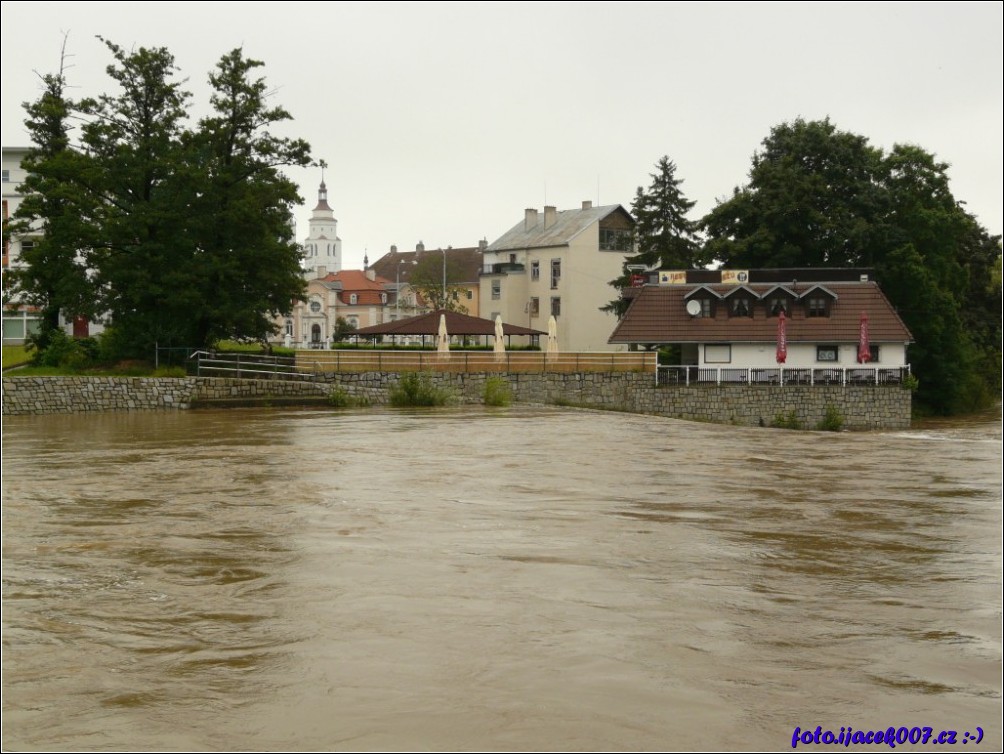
[681, 374]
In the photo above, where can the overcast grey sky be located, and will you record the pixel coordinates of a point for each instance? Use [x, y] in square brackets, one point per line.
[441, 122]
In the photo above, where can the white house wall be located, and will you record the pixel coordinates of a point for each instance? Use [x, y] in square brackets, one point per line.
[802, 355]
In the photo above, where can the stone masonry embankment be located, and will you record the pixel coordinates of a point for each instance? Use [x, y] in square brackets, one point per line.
[861, 407]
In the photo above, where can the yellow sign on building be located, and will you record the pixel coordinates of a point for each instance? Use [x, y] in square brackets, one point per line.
[672, 277]
[735, 277]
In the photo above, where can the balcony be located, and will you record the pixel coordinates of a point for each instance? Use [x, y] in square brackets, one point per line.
[503, 268]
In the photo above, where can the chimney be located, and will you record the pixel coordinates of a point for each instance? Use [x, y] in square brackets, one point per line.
[420, 246]
[483, 245]
[550, 216]
[587, 204]
[371, 274]
[393, 248]
[530, 220]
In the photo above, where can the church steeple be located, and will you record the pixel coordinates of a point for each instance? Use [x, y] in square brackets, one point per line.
[322, 192]
[323, 247]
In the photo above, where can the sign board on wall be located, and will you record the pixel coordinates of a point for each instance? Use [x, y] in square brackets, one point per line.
[672, 277]
[735, 277]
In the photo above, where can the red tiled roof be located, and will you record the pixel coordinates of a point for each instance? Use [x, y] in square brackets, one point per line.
[356, 280]
[658, 314]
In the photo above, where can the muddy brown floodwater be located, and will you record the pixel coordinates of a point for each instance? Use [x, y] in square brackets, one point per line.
[508, 580]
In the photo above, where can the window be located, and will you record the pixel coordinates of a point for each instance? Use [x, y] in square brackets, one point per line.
[315, 306]
[353, 299]
[456, 294]
[496, 290]
[873, 354]
[534, 307]
[534, 270]
[612, 239]
[555, 306]
[777, 305]
[829, 354]
[707, 308]
[555, 273]
[818, 307]
[383, 298]
[741, 307]
[289, 327]
[470, 294]
[512, 259]
[718, 354]
[6, 176]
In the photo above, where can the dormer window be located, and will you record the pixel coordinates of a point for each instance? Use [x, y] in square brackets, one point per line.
[779, 305]
[702, 297]
[817, 306]
[353, 299]
[741, 307]
[383, 298]
[818, 301]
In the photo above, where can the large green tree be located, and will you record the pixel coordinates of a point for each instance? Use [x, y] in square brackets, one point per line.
[820, 197]
[143, 250]
[664, 235]
[247, 262]
[51, 273]
[185, 232]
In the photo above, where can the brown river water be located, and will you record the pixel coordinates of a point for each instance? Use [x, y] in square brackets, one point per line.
[516, 579]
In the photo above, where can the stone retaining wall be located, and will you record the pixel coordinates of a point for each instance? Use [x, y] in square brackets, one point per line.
[861, 407]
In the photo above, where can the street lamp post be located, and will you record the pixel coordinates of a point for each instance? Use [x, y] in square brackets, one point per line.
[444, 277]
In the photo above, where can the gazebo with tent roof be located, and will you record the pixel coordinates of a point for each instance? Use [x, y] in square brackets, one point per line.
[456, 324]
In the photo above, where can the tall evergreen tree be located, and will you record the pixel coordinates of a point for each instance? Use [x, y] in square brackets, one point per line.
[664, 236]
[51, 274]
[143, 250]
[247, 262]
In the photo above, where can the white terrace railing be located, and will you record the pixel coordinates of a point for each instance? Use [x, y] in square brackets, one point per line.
[858, 375]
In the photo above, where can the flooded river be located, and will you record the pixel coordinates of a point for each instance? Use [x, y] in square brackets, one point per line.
[514, 579]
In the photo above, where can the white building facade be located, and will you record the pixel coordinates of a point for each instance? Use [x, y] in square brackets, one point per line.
[560, 264]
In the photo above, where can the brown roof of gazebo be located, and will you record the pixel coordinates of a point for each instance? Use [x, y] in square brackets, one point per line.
[456, 324]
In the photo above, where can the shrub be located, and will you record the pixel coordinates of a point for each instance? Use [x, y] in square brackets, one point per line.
[497, 392]
[911, 383]
[60, 350]
[415, 389]
[787, 421]
[833, 420]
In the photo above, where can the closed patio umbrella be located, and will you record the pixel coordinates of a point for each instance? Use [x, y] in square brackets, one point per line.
[782, 338]
[499, 339]
[864, 347]
[552, 335]
[443, 339]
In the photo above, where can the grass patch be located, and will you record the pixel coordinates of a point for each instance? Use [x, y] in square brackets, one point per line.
[415, 389]
[15, 355]
[339, 397]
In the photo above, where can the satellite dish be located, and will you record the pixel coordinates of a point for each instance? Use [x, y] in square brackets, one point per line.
[693, 308]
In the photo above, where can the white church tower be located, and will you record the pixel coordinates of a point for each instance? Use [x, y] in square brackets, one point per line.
[323, 248]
